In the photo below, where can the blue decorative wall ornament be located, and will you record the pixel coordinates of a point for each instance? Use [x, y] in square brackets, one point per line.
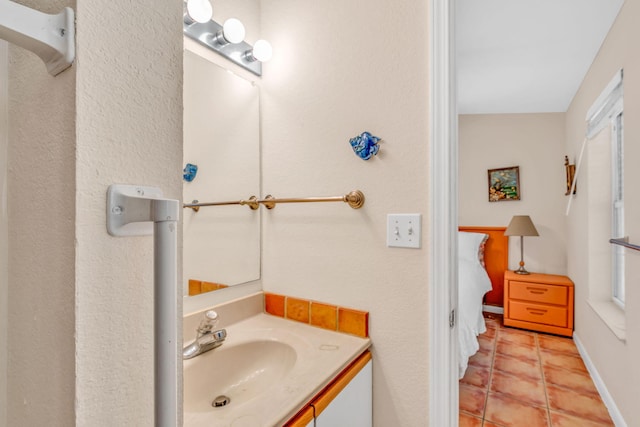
[365, 145]
[189, 172]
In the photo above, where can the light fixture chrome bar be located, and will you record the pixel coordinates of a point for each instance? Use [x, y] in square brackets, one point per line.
[207, 35]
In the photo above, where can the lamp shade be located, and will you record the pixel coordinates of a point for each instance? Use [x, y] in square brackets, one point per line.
[521, 225]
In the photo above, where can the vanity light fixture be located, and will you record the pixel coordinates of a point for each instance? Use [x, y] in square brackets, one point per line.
[227, 40]
[262, 51]
[199, 11]
[232, 32]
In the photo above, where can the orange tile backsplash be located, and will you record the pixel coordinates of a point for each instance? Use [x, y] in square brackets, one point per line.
[274, 304]
[326, 316]
[197, 287]
[297, 309]
[353, 322]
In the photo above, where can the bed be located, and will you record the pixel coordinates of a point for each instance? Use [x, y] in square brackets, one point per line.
[482, 261]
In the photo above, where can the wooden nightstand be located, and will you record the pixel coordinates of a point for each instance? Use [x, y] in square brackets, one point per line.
[540, 302]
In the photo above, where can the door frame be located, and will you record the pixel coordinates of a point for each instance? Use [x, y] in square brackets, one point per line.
[443, 202]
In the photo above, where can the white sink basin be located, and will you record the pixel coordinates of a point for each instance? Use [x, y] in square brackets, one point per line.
[268, 367]
[239, 372]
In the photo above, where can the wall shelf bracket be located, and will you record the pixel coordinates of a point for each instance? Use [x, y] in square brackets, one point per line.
[51, 37]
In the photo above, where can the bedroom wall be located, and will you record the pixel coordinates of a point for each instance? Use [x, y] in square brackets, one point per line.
[615, 360]
[330, 80]
[535, 143]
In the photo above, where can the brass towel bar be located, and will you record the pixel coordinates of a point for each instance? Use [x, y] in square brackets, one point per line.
[355, 199]
[624, 242]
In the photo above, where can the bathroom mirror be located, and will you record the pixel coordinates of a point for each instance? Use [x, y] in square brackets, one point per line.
[221, 244]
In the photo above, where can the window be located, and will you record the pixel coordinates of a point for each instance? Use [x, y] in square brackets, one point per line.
[605, 206]
[617, 208]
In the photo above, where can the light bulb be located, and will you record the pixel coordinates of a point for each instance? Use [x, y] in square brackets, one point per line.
[200, 10]
[262, 50]
[233, 30]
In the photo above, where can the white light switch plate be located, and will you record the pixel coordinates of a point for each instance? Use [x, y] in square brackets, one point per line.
[403, 230]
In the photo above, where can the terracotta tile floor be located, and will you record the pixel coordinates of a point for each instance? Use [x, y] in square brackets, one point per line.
[529, 379]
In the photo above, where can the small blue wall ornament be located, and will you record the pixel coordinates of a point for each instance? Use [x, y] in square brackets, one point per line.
[365, 145]
[189, 172]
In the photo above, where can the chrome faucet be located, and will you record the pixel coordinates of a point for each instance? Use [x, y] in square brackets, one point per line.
[206, 339]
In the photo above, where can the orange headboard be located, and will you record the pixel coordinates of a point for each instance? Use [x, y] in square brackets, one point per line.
[496, 259]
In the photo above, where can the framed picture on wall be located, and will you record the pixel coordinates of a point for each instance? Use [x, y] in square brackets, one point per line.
[504, 184]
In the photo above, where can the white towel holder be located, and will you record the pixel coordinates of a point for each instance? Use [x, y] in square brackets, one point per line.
[51, 37]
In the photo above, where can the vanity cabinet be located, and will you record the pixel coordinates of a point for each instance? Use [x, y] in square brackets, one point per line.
[346, 401]
[539, 302]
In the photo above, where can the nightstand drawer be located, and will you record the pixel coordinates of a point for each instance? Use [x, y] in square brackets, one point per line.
[538, 292]
[549, 315]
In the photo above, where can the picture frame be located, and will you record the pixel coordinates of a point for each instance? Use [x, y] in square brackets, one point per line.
[504, 184]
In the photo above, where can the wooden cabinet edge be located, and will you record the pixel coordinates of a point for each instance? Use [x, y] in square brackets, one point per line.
[326, 396]
[302, 418]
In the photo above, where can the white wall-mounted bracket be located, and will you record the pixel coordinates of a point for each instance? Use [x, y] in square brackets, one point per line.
[136, 210]
[51, 37]
[132, 210]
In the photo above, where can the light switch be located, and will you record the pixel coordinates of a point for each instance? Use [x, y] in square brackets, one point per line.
[403, 230]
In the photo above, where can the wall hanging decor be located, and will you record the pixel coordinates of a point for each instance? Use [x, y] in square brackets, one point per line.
[571, 175]
[504, 184]
[365, 145]
[189, 172]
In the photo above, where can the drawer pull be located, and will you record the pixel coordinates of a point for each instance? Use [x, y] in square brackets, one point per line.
[537, 311]
[537, 291]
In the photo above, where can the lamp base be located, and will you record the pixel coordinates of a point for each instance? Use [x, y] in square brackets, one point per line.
[521, 270]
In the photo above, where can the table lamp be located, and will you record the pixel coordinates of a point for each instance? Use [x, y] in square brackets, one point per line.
[521, 225]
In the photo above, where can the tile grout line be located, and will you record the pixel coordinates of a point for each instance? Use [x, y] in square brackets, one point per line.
[544, 381]
[493, 359]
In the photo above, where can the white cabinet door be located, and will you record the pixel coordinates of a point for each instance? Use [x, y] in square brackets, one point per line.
[353, 406]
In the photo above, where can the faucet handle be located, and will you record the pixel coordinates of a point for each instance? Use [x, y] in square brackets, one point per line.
[211, 315]
[209, 322]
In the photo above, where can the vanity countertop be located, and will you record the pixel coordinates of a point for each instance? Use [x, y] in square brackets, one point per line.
[269, 367]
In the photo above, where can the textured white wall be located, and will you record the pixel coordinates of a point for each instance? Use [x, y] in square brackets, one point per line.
[129, 131]
[616, 361]
[80, 313]
[41, 211]
[534, 142]
[4, 230]
[340, 68]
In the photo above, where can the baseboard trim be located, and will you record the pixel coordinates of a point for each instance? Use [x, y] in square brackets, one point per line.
[493, 309]
[614, 412]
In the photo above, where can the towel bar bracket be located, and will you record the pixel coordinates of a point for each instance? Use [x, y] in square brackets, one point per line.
[624, 242]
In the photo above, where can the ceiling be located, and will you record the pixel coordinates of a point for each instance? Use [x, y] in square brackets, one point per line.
[518, 56]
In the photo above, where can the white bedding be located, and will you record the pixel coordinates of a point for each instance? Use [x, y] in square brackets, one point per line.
[473, 283]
